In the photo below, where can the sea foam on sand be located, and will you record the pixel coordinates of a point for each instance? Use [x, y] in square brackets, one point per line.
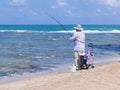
[103, 77]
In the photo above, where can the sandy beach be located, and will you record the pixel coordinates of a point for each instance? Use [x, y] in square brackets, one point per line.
[103, 77]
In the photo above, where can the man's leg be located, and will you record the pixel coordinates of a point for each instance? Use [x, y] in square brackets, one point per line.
[76, 57]
[81, 62]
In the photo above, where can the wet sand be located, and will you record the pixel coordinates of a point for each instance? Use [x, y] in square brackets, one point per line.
[102, 77]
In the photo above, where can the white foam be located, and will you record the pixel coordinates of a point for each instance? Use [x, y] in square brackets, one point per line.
[97, 31]
[73, 68]
[91, 31]
[21, 31]
[63, 31]
[86, 31]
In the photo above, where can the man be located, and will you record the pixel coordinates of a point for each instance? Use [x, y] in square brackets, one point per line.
[79, 49]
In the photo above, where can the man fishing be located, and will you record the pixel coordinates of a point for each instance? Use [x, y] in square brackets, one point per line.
[79, 40]
[79, 49]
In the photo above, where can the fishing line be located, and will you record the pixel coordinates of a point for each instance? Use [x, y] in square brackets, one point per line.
[59, 23]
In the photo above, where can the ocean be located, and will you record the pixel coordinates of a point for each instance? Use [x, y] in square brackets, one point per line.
[47, 48]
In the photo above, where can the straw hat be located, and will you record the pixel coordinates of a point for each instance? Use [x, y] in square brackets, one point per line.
[78, 27]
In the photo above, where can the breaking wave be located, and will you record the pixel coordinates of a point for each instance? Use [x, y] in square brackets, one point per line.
[61, 31]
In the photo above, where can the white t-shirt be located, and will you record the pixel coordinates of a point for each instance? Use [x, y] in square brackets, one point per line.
[79, 40]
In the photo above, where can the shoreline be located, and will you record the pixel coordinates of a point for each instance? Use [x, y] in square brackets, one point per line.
[26, 75]
[102, 77]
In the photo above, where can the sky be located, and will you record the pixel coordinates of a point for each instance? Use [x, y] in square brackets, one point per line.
[65, 11]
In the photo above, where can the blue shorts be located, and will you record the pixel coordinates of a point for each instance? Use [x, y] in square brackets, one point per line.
[84, 61]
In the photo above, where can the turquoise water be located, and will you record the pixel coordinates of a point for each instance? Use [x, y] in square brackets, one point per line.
[59, 28]
[38, 48]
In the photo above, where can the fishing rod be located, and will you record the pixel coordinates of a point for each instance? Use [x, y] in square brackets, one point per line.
[59, 24]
